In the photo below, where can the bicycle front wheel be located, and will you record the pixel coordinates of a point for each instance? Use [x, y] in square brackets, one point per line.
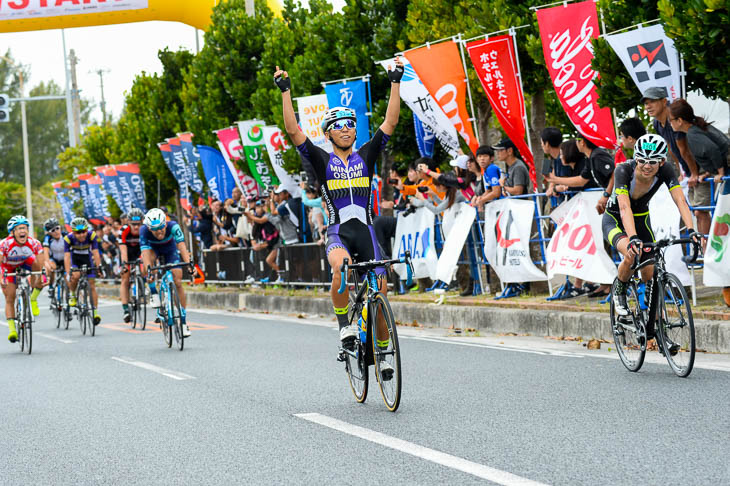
[627, 332]
[177, 323]
[27, 325]
[64, 304]
[163, 312]
[386, 352]
[20, 306]
[676, 328]
[357, 368]
[141, 304]
[56, 303]
[90, 312]
[81, 308]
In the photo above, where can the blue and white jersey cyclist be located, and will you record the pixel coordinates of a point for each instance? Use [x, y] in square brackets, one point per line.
[344, 177]
[626, 223]
[164, 240]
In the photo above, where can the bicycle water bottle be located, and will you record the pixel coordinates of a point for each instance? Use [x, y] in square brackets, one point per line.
[641, 291]
[362, 323]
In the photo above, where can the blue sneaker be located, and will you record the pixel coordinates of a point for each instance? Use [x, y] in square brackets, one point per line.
[265, 280]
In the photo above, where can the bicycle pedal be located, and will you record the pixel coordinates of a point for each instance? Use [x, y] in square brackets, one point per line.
[341, 356]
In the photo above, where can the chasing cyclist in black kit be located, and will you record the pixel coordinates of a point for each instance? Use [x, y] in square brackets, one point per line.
[626, 224]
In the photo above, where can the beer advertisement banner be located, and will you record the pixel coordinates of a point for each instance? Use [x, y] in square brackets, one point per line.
[440, 68]
[352, 94]
[496, 65]
[566, 32]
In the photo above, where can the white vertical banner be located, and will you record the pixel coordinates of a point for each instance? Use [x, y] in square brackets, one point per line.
[311, 112]
[463, 217]
[717, 254]
[576, 248]
[650, 58]
[665, 217]
[507, 227]
[422, 104]
[414, 233]
[276, 146]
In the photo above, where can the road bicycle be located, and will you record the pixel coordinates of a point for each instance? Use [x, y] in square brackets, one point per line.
[666, 304]
[59, 299]
[24, 318]
[370, 310]
[170, 312]
[137, 295]
[84, 309]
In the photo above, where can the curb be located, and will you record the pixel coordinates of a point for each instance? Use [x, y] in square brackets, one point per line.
[710, 335]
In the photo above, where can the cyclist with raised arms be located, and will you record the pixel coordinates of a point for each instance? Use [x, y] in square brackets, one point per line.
[130, 252]
[54, 248]
[345, 176]
[82, 248]
[626, 224]
[163, 239]
[19, 250]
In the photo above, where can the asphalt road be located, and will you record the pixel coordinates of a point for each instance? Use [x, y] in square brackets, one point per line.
[260, 399]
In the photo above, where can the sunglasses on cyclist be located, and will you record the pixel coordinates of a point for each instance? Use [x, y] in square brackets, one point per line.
[78, 232]
[649, 161]
[340, 124]
[56, 228]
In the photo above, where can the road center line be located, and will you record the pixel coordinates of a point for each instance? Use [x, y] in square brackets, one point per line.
[175, 375]
[453, 462]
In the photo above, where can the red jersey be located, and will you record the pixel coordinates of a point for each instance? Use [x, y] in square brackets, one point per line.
[15, 254]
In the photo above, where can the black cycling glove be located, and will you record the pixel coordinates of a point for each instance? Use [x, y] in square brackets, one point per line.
[396, 74]
[635, 244]
[284, 84]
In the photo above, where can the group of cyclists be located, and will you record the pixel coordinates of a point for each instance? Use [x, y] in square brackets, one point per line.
[147, 240]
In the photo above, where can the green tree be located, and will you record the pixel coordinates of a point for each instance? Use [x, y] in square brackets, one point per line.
[12, 201]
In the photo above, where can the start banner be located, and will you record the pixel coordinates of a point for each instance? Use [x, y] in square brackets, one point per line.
[31, 9]
[566, 32]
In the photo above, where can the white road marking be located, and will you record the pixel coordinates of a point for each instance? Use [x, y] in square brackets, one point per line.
[43, 334]
[500, 348]
[175, 375]
[475, 469]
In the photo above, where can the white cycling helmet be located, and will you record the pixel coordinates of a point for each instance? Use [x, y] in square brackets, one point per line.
[650, 146]
[155, 219]
[337, 113]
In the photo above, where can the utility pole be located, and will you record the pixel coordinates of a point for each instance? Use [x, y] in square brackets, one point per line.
[102, 105]
[69, 108]
[73, 60]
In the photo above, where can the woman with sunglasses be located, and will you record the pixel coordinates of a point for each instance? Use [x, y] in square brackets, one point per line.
[53, 248]
[626, 224]
[345, 177]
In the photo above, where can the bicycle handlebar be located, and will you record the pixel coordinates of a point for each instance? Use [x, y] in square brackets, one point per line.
[373, 264]
[692, 257]
[170, 266]
[25, 273]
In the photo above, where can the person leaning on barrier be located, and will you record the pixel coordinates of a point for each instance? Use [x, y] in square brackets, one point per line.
[265, 237]
[573, 162]
[551, 139]
[488, 188]
[244, 228]
[517, 181]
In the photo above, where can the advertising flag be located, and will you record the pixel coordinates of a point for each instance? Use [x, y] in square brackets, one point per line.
[192, 157]
[576, 248]
[231, 142]
[422, 104]
[440, 68]
[424, 137]
[507, 226]
[110, 181]
[131, 185]
[311, 112]
[352, 94]
[177, 171]
[665, 220]
[252, 139]
[462, 216]
[181, 164]
[65, 200]
[415, 233]
[496, 65]
[566, 32]
[95, 202]
[276, 146]
[650, 58]
[231, 166]
[717, 254]
[221, 180]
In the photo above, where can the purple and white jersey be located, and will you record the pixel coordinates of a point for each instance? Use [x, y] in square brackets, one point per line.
[346, 186]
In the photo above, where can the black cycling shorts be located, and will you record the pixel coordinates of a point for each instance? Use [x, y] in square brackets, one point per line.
[613, 230]
[358, 239]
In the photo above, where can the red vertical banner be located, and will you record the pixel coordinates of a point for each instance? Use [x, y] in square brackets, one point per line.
[442, 73]
[566, 32]
[496, 65]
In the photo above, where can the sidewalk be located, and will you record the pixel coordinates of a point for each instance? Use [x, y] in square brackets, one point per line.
[533, 316]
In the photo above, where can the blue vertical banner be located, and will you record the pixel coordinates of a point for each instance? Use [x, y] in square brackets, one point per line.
[218, 175]
[192, 157]
[424, 136]
[96, 207]
[110, 181]
[63, 194]
[178, 172]
[131, 185]
[352, 94]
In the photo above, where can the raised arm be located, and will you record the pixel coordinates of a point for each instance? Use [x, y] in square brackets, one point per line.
[283, 82]
[393, 111]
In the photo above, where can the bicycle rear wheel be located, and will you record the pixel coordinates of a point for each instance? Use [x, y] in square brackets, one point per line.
[676, 328]
[27, 325]
[81, 308]
[141, 309]
[357, 368]
[629, 334]
[386, 351]
[177, 323]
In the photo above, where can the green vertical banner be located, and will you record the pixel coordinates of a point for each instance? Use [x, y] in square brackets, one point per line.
[252, 139]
